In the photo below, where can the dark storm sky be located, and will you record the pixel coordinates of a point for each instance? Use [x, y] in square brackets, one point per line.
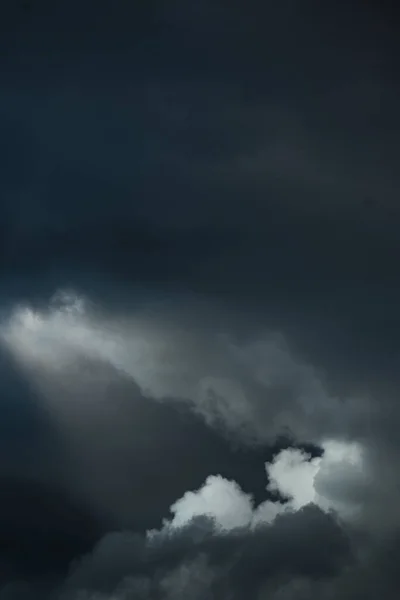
[204, 168]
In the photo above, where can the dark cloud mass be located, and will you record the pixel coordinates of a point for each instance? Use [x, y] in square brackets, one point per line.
[199, 315]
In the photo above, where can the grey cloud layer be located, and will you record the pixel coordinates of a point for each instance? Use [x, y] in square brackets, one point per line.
[221, 182]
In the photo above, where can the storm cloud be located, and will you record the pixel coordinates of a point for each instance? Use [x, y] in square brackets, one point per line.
[199, 314]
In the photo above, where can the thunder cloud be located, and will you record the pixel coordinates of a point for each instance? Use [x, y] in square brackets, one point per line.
[199, 301]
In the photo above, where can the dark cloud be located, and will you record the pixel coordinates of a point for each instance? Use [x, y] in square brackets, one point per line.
[250, 556]
[197, 559]
[42, 529]
[217, 184]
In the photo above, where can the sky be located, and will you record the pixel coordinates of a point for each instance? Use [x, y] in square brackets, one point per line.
[199, 299]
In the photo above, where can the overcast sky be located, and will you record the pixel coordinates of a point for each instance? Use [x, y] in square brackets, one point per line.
[199, 300]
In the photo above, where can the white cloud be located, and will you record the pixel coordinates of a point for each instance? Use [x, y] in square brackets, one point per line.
[293, 474]
[322, 481]
[220, 499]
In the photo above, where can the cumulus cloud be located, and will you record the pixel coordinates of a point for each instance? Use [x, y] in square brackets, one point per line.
[252, 391]
[303, 533]
[293, 474]
[218, 544]
[197, 557]
[218, 498]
